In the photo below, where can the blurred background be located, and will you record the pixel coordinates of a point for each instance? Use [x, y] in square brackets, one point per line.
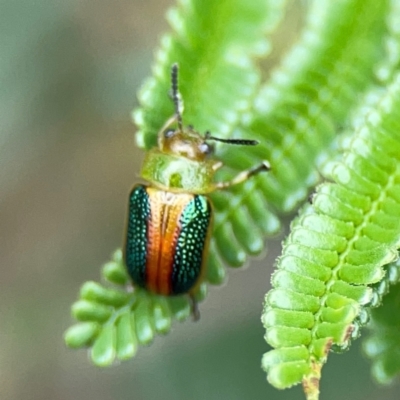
[69, 71]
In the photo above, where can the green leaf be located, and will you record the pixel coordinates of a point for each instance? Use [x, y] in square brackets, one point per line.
[81, 335]
[114, 274]
[95, 292]
[114, 321]
[295, 117]
[103, 351]
[84, 310]
[357, 262]
[335, 262]
[215, 44]
[126, 341]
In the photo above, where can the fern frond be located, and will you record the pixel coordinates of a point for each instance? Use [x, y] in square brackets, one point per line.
[388, 67]
[383, 345]
[114, 321]
[215, 44]
[295, 117]
[312, 94]
[336, 254]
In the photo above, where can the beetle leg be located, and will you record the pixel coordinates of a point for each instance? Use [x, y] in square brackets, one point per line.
[244, 175]
[194, 308]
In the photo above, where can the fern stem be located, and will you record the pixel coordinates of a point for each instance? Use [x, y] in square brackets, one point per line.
[375, 205]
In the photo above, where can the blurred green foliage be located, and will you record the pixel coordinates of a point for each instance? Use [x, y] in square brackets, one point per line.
[69, 73]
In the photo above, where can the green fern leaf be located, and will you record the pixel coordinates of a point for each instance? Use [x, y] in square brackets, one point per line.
[388, 67]
[114, 321]
[311, 94]
[334, 259]
[215, 43]
[295, 117]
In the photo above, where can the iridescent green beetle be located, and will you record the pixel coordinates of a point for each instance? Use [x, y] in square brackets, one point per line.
[170, 219]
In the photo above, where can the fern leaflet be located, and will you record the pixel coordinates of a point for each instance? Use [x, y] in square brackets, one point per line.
[336, 252]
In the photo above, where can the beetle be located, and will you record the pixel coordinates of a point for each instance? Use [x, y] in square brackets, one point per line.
[170, 218]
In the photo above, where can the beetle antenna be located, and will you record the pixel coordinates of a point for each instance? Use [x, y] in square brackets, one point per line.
[242, 142]
[175, 94]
